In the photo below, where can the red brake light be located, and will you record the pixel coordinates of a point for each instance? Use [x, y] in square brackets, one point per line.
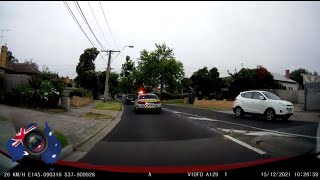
[140, 102]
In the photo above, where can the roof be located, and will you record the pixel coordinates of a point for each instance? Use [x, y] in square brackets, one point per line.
[253, 91]
[279, 77]
[25, 68]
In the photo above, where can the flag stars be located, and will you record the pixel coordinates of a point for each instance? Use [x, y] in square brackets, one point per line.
[25, 153]
[54, 156]
[50, 133]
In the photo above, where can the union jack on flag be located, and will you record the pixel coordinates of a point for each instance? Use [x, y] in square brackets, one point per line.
[15, 145]
[22, 133]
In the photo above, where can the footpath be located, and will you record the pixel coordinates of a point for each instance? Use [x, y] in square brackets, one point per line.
[72, 124]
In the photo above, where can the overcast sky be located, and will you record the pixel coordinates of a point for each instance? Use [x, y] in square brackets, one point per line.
[277, 35]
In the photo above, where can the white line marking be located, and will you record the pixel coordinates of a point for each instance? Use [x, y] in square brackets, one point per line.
[245, 145]
[200, 118]
[318, 140]
[233, 130]
[178, 112]
[263, 133]
[290, 134]
[209, 119]
[252, 133]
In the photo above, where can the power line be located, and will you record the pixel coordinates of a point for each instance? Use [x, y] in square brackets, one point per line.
[98, 24]
[108, 25]
[85, 19]
[75, 19]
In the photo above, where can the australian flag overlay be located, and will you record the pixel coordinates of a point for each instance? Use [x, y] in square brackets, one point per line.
[15, 145]
[17, 150]
[54, 148]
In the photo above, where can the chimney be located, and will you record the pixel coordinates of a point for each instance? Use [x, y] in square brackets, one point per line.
[3, 58]
[287, 73]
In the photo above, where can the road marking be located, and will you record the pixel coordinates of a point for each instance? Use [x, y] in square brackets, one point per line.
[178, 112]
[252, 133]
[245, 145]
[200, 118]
[263, 133]
[318, 140]
[269, 130]
[233, 130]
[290, 134]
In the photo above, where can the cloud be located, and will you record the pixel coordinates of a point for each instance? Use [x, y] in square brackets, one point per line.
[278, 35]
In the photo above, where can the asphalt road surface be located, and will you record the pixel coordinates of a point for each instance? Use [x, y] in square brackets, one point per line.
[183, 136]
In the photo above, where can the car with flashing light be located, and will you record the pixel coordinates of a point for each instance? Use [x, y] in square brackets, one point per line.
[147, 102]
[262, 103]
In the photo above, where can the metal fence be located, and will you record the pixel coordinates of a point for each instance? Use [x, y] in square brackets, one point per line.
[312, 95]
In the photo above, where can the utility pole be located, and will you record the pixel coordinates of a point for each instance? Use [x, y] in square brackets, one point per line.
[106, 86]
[2, 34]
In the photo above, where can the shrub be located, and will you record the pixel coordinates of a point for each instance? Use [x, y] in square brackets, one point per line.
[43, 90]
[21, 95]
[25, 95]
[80, 92]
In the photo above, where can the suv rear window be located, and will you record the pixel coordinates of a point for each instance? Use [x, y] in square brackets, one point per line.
[148, 96]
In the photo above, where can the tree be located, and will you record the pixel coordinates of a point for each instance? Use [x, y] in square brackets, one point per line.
[32, 63]
[87, 77]
[247, 79]
[206, 82]
[11, 58]
[114, 86]
[186, 84]
[127, 76]
[296, 75]
[160, 68]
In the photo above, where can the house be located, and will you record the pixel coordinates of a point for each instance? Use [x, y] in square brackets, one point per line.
[7, 67]
[285, 81]
[69, 82]
[14, 74]
[309, 78]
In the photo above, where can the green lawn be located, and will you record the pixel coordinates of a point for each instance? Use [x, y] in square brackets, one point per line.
[173, 101]
[96, 115]
[3, 118]
[63, 140]
[181, 102]
[53, 110]
[110, 105]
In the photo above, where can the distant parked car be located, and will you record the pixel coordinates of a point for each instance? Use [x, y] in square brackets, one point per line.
[130, 98]
[262, 103]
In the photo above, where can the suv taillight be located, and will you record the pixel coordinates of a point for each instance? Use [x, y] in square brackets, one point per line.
[140, 102]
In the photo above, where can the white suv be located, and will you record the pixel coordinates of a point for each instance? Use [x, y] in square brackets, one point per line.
[262, 103]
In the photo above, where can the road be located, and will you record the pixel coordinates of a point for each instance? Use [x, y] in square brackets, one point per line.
[183, 136]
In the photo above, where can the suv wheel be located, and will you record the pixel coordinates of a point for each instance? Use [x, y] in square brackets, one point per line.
[270, 114]
[238, 112]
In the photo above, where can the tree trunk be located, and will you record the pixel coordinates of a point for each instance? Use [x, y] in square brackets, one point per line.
[161, 86]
